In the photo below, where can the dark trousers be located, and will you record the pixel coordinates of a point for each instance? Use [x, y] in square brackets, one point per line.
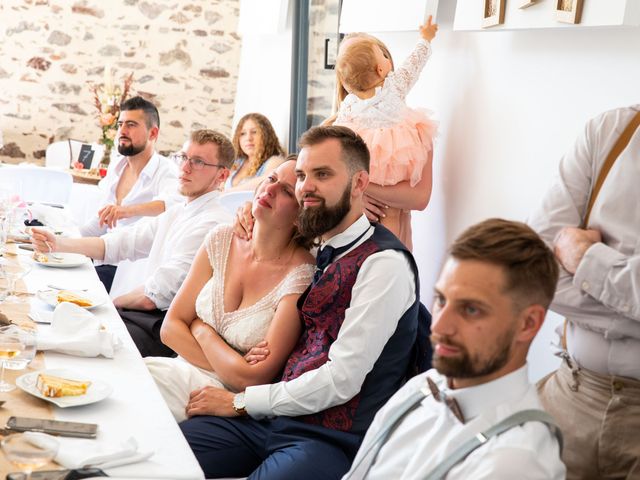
[280, 448]
[144, 328]
[106, 274]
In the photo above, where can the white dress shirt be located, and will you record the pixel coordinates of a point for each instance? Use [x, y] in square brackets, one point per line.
[602, 300]
[170, 240]
[383, 291]
[158, 180]
[430, 433]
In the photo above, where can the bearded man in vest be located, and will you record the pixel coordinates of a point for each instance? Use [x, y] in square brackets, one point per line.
[358, 346]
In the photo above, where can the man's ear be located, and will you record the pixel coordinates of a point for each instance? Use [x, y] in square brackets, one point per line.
[531, 320]
[221, 178]
[359, 183]
[153, 133]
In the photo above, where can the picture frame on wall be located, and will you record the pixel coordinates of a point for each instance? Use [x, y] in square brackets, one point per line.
[527, 3]
[569, 11]
[493, 13]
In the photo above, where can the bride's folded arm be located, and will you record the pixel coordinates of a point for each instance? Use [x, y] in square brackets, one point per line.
[176, 327]
[232, 367]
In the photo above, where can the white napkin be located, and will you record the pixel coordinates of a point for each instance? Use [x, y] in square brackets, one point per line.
[77, 452]
[76, 331]
[55, 218]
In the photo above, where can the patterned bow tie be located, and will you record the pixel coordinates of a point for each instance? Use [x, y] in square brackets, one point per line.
[328, 253]
[448, 401]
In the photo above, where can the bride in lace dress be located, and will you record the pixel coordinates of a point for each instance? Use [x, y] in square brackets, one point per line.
[238, 293]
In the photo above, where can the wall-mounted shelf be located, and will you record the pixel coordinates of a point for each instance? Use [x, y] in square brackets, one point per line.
[385, 16]
[542, 14]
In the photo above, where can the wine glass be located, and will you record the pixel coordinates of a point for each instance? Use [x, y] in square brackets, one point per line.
[5, 227]
[28, 339]
[29, 452]
[13, 271]
[11, 345]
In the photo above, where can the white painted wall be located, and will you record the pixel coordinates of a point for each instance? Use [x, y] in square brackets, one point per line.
[264, 79]
[509, 104]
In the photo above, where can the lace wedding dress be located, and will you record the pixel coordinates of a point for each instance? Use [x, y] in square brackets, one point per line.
[241, 329]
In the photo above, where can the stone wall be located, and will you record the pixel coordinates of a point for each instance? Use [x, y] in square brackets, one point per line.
[184, 55]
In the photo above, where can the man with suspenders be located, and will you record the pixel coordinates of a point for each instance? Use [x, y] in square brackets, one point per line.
[591, 217]
[475, 415]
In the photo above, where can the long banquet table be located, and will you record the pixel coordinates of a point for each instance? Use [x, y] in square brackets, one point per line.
[135, 407]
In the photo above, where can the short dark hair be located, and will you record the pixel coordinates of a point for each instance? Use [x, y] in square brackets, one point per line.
[226, 152]
[151, 115]
[530, 267]
[355, 152]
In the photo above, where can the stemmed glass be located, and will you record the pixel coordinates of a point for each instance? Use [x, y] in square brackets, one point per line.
[13, 271]
[28, 339]
[27, 455]
[11, 346]
[4, 232]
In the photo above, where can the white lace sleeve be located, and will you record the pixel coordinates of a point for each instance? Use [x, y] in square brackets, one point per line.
[297, 280]
[405, 77]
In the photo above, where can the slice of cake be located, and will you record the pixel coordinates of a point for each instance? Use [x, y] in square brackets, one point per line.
[51, 386]
[67, 296]
[40, 257]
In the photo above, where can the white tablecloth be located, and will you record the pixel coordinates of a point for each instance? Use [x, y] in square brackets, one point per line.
[135, 408]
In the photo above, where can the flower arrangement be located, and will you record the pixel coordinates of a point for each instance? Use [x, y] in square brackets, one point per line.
[107, 99]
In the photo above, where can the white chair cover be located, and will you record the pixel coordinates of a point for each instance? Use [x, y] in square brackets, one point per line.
[37, 184]
[84, 202]
[232, 200]
[129, 275]
[62, 154]
[58, 155]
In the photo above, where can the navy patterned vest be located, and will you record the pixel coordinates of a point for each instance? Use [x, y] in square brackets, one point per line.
[322, 309]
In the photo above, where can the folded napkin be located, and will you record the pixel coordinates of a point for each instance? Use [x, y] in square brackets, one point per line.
[76, 331]
[77, 452]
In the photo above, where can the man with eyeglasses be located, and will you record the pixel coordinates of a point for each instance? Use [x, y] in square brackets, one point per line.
[170, 240]
[140, 183]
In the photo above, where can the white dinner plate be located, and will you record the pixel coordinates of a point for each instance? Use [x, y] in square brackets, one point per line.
[98, 390]
[63, 260]
[50, 297]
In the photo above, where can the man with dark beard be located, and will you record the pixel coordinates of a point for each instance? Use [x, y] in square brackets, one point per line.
[170, 240]
[360, 322]
[139, 183]
[490, 301]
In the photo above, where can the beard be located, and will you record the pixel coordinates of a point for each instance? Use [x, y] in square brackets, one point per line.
[466, 366]
[315, 221]
[130, 150]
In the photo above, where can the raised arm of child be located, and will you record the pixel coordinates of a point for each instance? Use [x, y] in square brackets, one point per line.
[406, 76]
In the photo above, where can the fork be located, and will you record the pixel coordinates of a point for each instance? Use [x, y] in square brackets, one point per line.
[55, 256]
[57, 287]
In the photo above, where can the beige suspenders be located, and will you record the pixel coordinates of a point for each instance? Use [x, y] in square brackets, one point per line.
[618, 147]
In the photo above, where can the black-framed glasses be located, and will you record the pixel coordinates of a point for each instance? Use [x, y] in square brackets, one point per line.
[195, 163]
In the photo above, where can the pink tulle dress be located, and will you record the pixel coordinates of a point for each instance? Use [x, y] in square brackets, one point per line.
[399, 138]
